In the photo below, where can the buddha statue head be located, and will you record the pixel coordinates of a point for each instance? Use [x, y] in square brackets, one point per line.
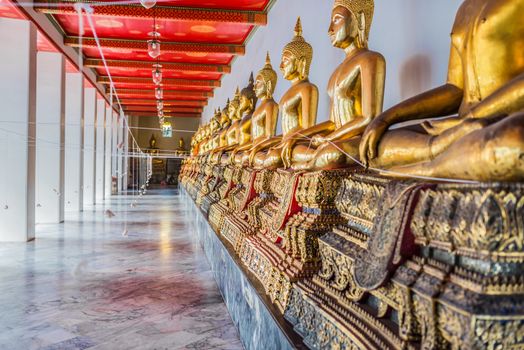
[351, 23]
[224, 116]
[233, 106]
[266, 81]
[297, 57]
[248, 98]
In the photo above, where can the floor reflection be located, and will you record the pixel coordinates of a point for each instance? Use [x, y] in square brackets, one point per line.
[85, 285]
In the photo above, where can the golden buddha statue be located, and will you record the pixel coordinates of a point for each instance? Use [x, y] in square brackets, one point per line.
[228, 136]
[239, 132]
[214, 138]
[225, 123]
[485, 88]
[356, 90]
[181, 145]
[298, 105]
[264, 119]
[248, 101]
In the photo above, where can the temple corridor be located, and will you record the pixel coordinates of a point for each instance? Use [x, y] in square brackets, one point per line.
[135, 280]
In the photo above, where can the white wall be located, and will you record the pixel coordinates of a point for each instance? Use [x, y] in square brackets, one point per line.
[413, 35]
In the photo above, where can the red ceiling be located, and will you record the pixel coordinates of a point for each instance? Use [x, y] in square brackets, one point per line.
[146, 73]
[141, 55]
[151, 86]
[245, 5]
[7, 10]
[180, 31]
[218, 28]
[251, 5]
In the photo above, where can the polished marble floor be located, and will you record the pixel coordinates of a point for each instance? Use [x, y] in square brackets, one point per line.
[137, 280]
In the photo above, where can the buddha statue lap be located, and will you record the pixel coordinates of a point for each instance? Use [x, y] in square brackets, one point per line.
[485, 88]
[298, 105]
[264, 119]
[356, 90]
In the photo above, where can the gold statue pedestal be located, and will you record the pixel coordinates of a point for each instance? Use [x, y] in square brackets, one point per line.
[202, 185]
[285, 250]
[225, 205]
[236, 226]
[213, 195]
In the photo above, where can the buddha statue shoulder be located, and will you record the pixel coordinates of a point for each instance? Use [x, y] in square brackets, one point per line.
[299, 104]
[484, 140]
[356, 90]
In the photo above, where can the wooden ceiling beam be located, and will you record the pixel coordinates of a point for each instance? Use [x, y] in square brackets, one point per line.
[166, 81]
[166, 46]
[164, 13]
[167, 111]
[167, 92]
[204, 68]
[172, 116]
[167, 103]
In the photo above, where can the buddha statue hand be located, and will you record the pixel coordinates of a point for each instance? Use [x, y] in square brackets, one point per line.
[318, 140]
[371, 138]
[252, 155]
[287, 152]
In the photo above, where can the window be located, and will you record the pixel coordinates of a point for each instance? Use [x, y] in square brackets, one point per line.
[167, 130]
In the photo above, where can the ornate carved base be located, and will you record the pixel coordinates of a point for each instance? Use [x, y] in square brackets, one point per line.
[236, 226]
[378, 290]
[214, 190]
[291, 253]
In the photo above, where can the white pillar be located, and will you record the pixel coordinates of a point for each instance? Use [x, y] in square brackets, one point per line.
[119, 166]
[125, 155]
[100, 148]
[17, 130]
[89, 145]
[50, 117]
[114, 154]
[74, 142]
[109, 152]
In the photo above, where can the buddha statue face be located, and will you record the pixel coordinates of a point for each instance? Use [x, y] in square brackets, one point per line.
[296, 57]
[261, 88]
[289, 66]
[350, 23]
[343, 29]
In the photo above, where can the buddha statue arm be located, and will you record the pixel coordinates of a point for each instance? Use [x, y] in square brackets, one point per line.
[309, 106]
[271, 120]
[243, 148]
[325, 127]
[260, 146]
[507, 100]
